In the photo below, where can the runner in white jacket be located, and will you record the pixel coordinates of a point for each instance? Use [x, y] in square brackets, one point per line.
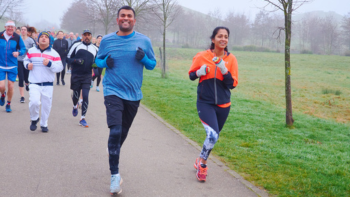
[43, 62]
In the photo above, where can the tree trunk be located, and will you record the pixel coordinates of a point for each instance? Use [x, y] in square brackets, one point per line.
[164, 36]
[288, 25]
[164, 56]
[161, 57]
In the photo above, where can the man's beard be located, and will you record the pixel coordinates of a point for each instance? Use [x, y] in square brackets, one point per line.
[121, 28]
[87, 41]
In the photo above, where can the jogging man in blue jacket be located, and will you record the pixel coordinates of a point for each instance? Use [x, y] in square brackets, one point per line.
[12, 46]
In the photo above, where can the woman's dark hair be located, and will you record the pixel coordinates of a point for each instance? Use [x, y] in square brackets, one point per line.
[216, 30]
[31, 29]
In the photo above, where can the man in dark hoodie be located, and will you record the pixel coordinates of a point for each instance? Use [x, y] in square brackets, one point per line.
[61, 46]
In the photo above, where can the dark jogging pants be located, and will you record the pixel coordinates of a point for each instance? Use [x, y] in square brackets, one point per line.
[120, 115]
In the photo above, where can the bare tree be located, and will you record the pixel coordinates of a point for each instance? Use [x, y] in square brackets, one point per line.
[165, 10]
[15, 15]
[9, 5]
[346, 29]
[287, 7]
[240, 25]
[330, 34]
[76, 18]
[140, 6]
[106, 12]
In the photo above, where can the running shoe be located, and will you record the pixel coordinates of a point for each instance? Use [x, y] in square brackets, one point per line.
[58, 83]
[97, 88]
[201, 173]
[17, 79]
[197, 162]
[83, 123]
[8, 108]
[92, 84]
[75, 111]
[63, 83]
[33, 125]
[116, 181]
[44, 129]
[2, 100]
[27, 87]
[22, 99]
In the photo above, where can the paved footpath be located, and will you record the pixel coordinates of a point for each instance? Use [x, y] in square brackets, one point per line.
[156, 160]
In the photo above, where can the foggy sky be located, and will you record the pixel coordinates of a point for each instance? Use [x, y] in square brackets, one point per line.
[52, 11]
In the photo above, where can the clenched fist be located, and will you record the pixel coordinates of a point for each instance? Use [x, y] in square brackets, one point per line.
[30, 66]
[46, 62]
[15, 54]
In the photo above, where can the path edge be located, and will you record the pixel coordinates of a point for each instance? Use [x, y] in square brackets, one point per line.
[213, 157]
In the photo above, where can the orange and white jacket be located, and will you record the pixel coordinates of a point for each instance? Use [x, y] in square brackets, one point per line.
[214, 87]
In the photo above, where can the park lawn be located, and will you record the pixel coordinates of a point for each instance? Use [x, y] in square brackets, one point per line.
[311, 160]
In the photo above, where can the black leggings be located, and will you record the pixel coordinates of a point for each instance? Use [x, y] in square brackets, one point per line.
[22, 74]
[97, 76]
[76, 96]
[120, 115]
[63, 71]
[213, 119]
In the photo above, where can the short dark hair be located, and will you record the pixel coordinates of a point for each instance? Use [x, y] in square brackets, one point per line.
[126, 7]
[59, 32]
[216, 30]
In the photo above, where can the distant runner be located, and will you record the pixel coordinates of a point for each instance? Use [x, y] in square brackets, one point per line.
[22, 72]
[81, 56]
[12, 46]
[97, 71]
[42, 62]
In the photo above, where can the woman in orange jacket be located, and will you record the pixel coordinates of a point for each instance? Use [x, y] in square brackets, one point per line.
[217, 70]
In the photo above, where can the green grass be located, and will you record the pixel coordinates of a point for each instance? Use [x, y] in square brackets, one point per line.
[311, 160]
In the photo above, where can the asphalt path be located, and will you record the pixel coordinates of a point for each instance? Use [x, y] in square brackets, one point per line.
[69, 160]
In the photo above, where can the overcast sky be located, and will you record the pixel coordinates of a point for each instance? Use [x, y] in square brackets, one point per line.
[52, 11]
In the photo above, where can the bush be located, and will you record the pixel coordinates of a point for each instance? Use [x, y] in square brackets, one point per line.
[347, 53]
[330, 91]
[305, 51]
[185, 46]
[253, 48]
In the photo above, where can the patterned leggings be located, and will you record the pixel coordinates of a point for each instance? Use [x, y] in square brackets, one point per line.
[213, 119]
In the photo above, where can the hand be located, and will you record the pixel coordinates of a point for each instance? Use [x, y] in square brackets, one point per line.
[221, 64]
[30, 66]
[139, 54]
[46, 62]
[15, 54]
[79, 61]
[110, 62]
[204, 70]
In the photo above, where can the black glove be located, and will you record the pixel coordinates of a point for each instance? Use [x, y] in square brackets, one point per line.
[139, 54]
[110, 62]
[79, 61]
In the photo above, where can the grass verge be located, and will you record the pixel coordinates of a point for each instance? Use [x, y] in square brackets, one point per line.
[311, 160]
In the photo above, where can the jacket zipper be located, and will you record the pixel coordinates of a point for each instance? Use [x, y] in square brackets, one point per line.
[215, 92]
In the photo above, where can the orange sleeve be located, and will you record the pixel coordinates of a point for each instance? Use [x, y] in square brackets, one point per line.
[196, 63]
[234, 71]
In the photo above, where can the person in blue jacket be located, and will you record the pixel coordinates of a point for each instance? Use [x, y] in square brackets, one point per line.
[12, 46]
[124, 54]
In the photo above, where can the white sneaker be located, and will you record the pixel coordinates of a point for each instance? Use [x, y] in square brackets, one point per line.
[116, 181]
